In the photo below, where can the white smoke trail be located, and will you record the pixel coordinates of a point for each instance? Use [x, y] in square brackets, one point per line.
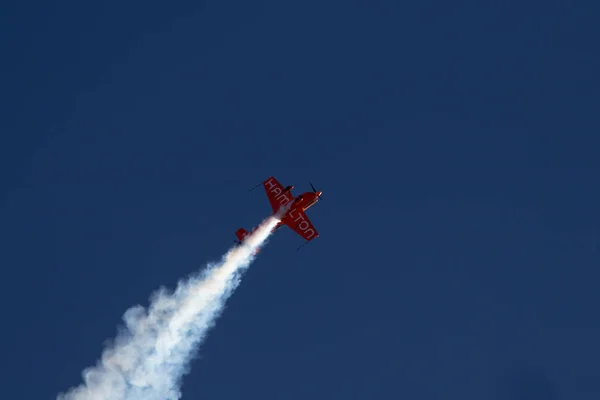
[152, 353]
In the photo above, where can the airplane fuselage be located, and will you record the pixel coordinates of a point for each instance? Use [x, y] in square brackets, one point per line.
[304, 201]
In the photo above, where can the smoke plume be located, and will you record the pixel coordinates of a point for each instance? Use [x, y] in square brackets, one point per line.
[152, 351]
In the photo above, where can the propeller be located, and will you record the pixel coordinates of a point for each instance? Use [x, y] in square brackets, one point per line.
[318, 193]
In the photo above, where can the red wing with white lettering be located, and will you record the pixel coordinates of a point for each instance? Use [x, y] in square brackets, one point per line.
[275, 193]
[299, 223]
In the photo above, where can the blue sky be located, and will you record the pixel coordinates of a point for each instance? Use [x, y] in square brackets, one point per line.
[456, 145]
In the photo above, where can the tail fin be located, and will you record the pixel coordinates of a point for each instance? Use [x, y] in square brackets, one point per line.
[241, 234]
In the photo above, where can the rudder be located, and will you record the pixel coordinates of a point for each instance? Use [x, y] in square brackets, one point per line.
[241, 234]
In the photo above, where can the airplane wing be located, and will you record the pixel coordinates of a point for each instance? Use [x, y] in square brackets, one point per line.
[275, 193]
[298, 221]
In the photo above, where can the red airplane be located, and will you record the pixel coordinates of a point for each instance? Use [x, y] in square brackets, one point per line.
[295, 217]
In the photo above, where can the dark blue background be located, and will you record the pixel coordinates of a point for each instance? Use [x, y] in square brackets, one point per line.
[456, 144]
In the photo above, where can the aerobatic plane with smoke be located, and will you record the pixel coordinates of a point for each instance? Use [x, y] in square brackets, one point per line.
[294, 218]
[152, 352]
